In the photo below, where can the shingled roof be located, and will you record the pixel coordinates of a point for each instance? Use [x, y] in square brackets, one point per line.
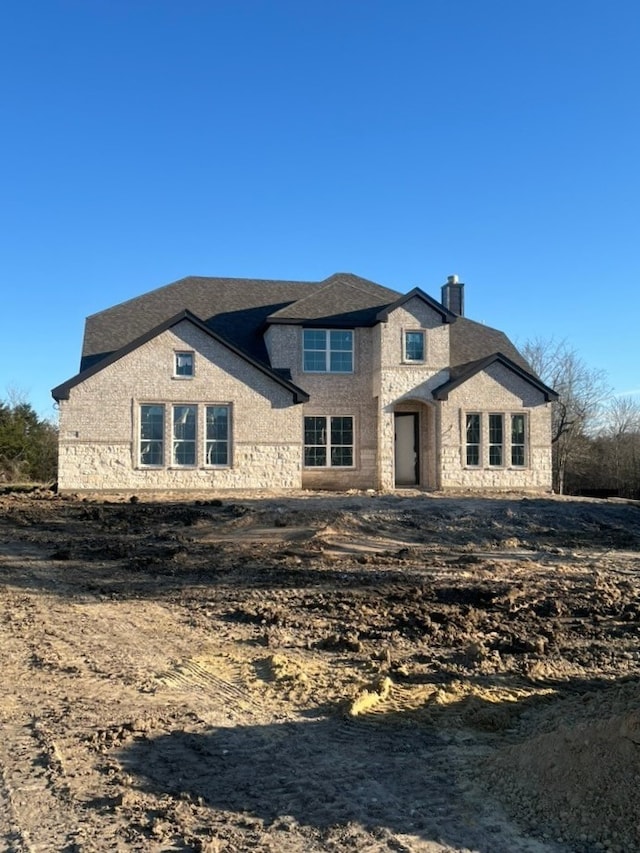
[462, 372]
[236, 308]
[239, 310]
[470, 341]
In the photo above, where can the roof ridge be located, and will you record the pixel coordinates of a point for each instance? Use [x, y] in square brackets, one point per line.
[202, 278]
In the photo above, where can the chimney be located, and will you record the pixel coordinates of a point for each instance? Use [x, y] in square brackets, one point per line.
[453, 295]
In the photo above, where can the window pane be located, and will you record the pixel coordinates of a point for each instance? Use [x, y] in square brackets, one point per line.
[341, 346]
[152, 422]
[518, 440]
[217, 435]
[473, 429]
[151, 435]
[184, 364]
[342, 456]
[414, 346]
[315, 430]
[315, 456]
[517, 455]
[315, 361]
[517, 429]
[315, 339]
[184, 452]
[495, 429]
[341, 430]
[473, 439]
[341, 362]
[217, 422]
[341, 340]
[184, 422]
[184, 435]
[151, 453]
[496, 433]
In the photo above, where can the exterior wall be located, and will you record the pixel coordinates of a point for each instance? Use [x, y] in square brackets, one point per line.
[335, 394]
[407, 386]
[496, 390]
[99, 431]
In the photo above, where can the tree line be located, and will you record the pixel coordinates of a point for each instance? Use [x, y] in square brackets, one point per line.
[28, 444]
[595, 435]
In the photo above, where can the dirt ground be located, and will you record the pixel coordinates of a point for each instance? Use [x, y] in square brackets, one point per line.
[319, 672]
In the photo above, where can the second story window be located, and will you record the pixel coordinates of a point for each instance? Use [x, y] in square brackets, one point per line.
[183, 365]
[414, 346]
[327, 351]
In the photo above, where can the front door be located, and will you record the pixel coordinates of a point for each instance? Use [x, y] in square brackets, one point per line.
[406, 448]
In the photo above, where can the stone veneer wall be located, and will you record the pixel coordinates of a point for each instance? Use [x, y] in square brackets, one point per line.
[98, 423]
[401, 386]
[496, 390]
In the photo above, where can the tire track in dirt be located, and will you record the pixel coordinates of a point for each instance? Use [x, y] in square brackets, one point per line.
[214, 679]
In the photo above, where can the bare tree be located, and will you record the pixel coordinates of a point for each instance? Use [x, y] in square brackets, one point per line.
[582, 392]
[619, 440]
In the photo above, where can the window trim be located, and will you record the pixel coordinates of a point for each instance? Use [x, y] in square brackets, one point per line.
[327, 351]
[184, 441]
[328, 445]
[525, 440]
[153, 466]
[405, 358]
[468, 444]
[507, 446]
[176, 356]
[216, 465]
[496, 444]
[168, 441]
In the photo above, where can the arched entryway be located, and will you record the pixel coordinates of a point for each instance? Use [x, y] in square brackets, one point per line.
[414, 446]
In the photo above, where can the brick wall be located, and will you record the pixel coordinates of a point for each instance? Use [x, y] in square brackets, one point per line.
[496, 390]
[99, 433]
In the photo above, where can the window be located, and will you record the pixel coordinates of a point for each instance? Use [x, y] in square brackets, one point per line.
[496, 439]
[184, 435]
[518, 440]
[328, 442]
[151, 435]
[217, 435]
[414, 346]
[473, 439]
[183, 364]
[500, 439]
[327, 351]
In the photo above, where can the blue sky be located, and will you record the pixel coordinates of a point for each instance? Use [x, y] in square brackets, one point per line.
[402, 140]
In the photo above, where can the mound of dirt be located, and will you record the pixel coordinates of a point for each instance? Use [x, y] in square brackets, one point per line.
[581, 781]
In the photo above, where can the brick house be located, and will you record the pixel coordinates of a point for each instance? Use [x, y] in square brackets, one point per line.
[214, 383]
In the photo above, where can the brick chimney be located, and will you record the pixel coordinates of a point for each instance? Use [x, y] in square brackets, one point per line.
[453, 295]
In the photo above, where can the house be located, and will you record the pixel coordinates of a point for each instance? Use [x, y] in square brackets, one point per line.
[218, 383]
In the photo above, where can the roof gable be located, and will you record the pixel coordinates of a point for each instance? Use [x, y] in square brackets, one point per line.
[417, 293]
[342, 299]
[61, 392]
[464, 372]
